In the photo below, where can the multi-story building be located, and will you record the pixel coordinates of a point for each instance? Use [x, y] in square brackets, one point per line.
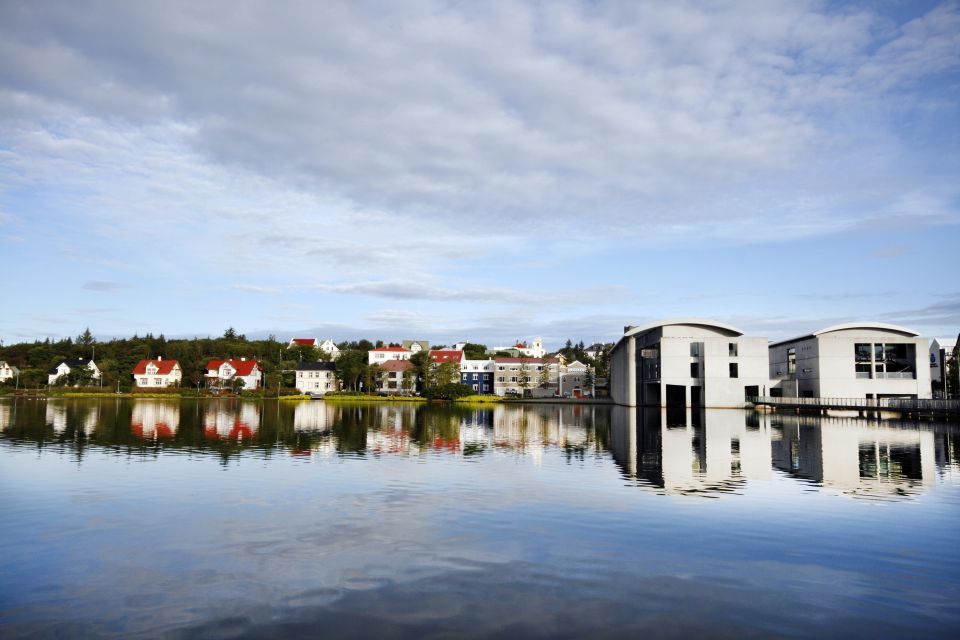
[157, 374]
[523, 376]
[396, 377]
[687, 362]
[523, 350]
[575, 380]
[220, 372]
[478, 375]
[66, 366]
[316, 378]
[380, 355]
[870, 360]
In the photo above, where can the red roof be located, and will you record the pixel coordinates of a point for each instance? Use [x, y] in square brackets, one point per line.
[519, 345]
[305, 342]
[390, 349]
[396, 365]
[164, 367]
[243, 367]
[440, 356]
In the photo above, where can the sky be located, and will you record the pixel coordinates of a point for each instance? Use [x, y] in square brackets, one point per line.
[477, 171]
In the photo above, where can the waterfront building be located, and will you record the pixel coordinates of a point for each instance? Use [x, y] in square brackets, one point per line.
[380, 355]
[870, 360]
[687, 362]
[941, 350]
[574, 379]
[8, 371]
[525, 376]
[316, 378]
[396, 376]
[157, 374]
[478, 375]
[64, 367]
[220, 372]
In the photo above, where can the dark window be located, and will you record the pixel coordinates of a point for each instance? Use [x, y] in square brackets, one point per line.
[733, 349]
[734, 370]
[791, 361]
[696, 350]
[862, 351]
[694, 369]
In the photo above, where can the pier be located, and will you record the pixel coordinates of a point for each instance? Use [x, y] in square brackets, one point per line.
[903, 406]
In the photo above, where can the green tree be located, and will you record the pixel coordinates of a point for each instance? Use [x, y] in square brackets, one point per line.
[421, 368]
[472, 351]
[523, 379]
[86, 338]
[543, 377]
[350, 368]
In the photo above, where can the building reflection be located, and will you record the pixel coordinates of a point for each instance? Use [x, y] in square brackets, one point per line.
[62, 416]
[231, 421]
[717, 451]
[154, 420]
[858, 457]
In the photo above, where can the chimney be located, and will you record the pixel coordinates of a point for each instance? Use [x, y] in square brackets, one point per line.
[159, 358]
[243, 359]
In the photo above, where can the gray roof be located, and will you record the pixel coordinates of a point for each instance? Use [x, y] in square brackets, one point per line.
[316, 366]
[73, 363]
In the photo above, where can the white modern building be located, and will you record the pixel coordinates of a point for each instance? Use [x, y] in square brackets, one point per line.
[941, 350]
[66, 366]
[157, 374]
[687, 362]
[870, 360]
[316, 378]
[8, 371]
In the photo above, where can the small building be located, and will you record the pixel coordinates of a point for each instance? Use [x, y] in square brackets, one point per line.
[687, 362]
[870, 360]
[575, 381]
[381, 355]
[64, 367]
[941, 350]
[523, 350]
[416, 346]
[395, 377]
[8, 371]
[478, 375]
[330, 348]
[221, 372]
[317, 378]
[157, 374]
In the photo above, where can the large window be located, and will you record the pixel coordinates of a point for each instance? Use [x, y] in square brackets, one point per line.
[734, 370]
[694, 369]
[862, 351]
[696, 350]
[791, 360]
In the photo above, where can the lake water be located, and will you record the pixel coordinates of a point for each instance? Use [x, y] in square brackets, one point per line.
[223, 519]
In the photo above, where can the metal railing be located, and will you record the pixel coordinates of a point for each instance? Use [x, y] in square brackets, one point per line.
[893, 404]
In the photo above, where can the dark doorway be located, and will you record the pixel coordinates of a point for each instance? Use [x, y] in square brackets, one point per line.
[676, 395]
[696, 396]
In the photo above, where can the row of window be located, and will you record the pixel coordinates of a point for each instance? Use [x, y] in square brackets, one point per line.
[696, 350]
[314, 374]
[695, 371]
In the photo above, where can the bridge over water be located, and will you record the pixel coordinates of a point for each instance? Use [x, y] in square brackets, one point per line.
[915, 406]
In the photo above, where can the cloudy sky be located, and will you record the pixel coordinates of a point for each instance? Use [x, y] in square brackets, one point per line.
[483, 171]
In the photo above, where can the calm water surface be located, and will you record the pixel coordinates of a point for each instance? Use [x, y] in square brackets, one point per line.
[223, 519]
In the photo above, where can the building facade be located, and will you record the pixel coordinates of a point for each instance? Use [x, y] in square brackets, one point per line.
[687, 362]
[221, 372]
[530, 377]
[8, 371]
[396, 377]
[157, 374]
[316, 378]
[870, 360]
[66, 366]
[941, 350]
[478, 375]
[381, 355]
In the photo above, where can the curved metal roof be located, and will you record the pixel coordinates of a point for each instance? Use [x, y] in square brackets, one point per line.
[701, 322]
[883, 326]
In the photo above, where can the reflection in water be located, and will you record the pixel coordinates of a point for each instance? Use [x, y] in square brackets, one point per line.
[681, 452]
[403, 520]
[714, 451]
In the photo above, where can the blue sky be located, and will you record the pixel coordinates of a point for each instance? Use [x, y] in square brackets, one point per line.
[478, 171]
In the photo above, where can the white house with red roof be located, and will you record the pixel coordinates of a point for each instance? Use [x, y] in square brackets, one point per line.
[220, 372]
[381, 355]
[157, 374]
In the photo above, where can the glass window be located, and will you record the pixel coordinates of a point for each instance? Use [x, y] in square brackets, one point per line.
[732, 348]
[862, 351]
[696, 349]
[878, 352]
[694, 369]
[791, 360]
[734, 370]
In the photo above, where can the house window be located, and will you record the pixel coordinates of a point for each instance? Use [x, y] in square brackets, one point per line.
[696, 350]
[143, 382]
[734, 370]
[157, 381]
[694, 369]
[513, 379]
[732, 348]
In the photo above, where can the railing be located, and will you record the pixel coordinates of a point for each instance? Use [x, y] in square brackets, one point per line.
[893, 404]
[896, 375]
